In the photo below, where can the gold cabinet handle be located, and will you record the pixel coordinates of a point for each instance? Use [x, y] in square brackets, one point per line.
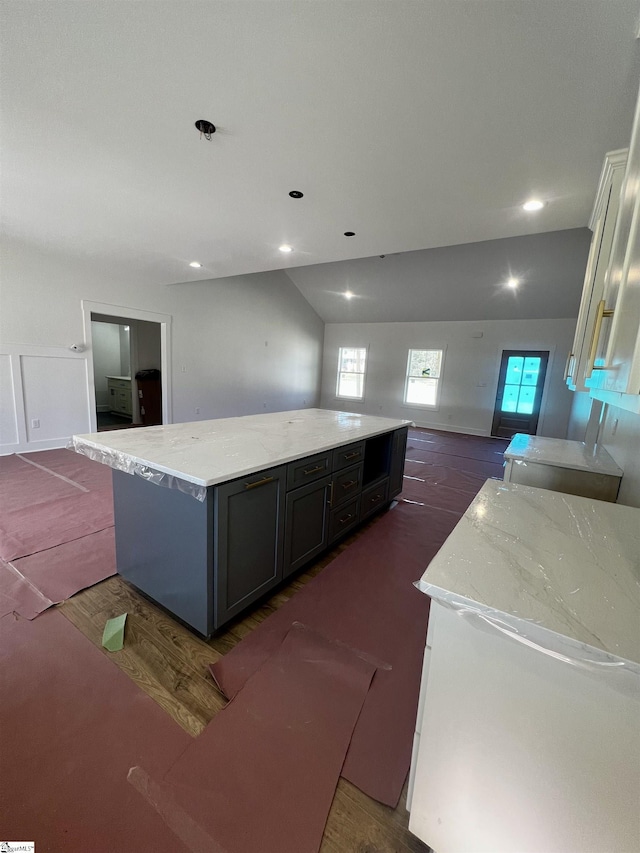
[257, 483]
[346, 518]
[601, 313]
[353, 455]
[313, 470]
[331, 495]
[349, 484]
[375, 499]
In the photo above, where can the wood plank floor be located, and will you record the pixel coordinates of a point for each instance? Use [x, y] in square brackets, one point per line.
[169, 663]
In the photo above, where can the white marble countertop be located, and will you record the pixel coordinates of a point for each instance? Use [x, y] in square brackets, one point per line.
[562, 453]
[546, 567]
[210, 452]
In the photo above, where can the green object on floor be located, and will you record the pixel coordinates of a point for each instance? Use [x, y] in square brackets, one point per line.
[113, 635]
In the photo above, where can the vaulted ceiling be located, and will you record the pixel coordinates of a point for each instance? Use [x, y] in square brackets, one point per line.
[413, 124]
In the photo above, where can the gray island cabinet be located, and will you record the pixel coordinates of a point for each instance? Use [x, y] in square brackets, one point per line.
[222, 511]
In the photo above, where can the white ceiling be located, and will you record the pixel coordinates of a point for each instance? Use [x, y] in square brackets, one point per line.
[414, 124]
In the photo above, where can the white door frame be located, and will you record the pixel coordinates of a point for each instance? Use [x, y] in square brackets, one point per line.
[89, 308]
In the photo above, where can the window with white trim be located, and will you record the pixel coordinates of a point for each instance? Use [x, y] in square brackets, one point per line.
[352, 362]
[422, 385]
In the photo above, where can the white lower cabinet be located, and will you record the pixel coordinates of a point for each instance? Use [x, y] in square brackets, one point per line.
[522, 750]
[119, 391]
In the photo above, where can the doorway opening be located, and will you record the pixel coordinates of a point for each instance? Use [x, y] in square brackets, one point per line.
[111, 344]
[128, 367]
[519, 394]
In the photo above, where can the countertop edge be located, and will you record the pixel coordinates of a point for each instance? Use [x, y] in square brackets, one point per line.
[545, 640]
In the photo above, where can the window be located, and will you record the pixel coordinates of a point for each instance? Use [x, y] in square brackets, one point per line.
[351, 369]
[424, 367]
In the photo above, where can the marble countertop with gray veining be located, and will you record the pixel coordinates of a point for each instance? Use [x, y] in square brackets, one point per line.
[210, 452]
[547, 567]
[561, 453]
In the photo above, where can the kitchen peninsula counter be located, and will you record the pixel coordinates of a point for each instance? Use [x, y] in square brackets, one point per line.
[531, 682]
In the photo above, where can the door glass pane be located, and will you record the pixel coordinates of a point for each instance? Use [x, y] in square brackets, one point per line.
[531, 371]
[510, 398]
[525, 401]
[514, 371]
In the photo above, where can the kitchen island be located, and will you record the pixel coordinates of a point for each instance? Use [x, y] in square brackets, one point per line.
[212, 515]
[528, 728]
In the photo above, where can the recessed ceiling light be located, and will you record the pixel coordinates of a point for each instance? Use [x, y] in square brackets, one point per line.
[349, 233]
[533, 204]
[195, 265]
[513, 282]
[348, 294]
[284, 248]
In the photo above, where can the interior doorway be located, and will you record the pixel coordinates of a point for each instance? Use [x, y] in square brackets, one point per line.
[128, 358]
[112, 372]
[519, 394]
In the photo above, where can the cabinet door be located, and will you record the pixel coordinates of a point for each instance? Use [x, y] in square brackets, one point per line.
[249, 523]
[398, 453]
[306, 524]
[603, 223]
[619, 344]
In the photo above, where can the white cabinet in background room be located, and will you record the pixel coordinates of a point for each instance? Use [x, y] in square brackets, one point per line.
[119, 390]
[602, 223]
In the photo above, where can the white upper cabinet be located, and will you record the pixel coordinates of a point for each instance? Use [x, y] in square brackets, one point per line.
[618, 350]
[603, 224]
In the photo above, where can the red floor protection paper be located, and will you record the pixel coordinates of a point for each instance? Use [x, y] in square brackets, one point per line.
[81, 470]
[22, 486]
[53, 522]
[72, 726]
[366, 599]
[255, 780]
[60, 572]
[460, 463]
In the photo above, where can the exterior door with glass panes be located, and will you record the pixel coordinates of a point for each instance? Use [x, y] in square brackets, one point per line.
[520, 386]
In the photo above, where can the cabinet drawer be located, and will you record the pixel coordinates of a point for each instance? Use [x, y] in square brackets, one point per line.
[343, 519]
[374, 497]
[349, 455]
[307, 470]
[347, 484]
[125, 384]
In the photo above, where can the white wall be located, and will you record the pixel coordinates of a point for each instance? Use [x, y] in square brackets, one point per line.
[470, 374]
[620, 435]
[239, 345]
[579, 415]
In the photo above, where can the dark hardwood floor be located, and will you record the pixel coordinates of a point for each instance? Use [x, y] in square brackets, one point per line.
[169, 663]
